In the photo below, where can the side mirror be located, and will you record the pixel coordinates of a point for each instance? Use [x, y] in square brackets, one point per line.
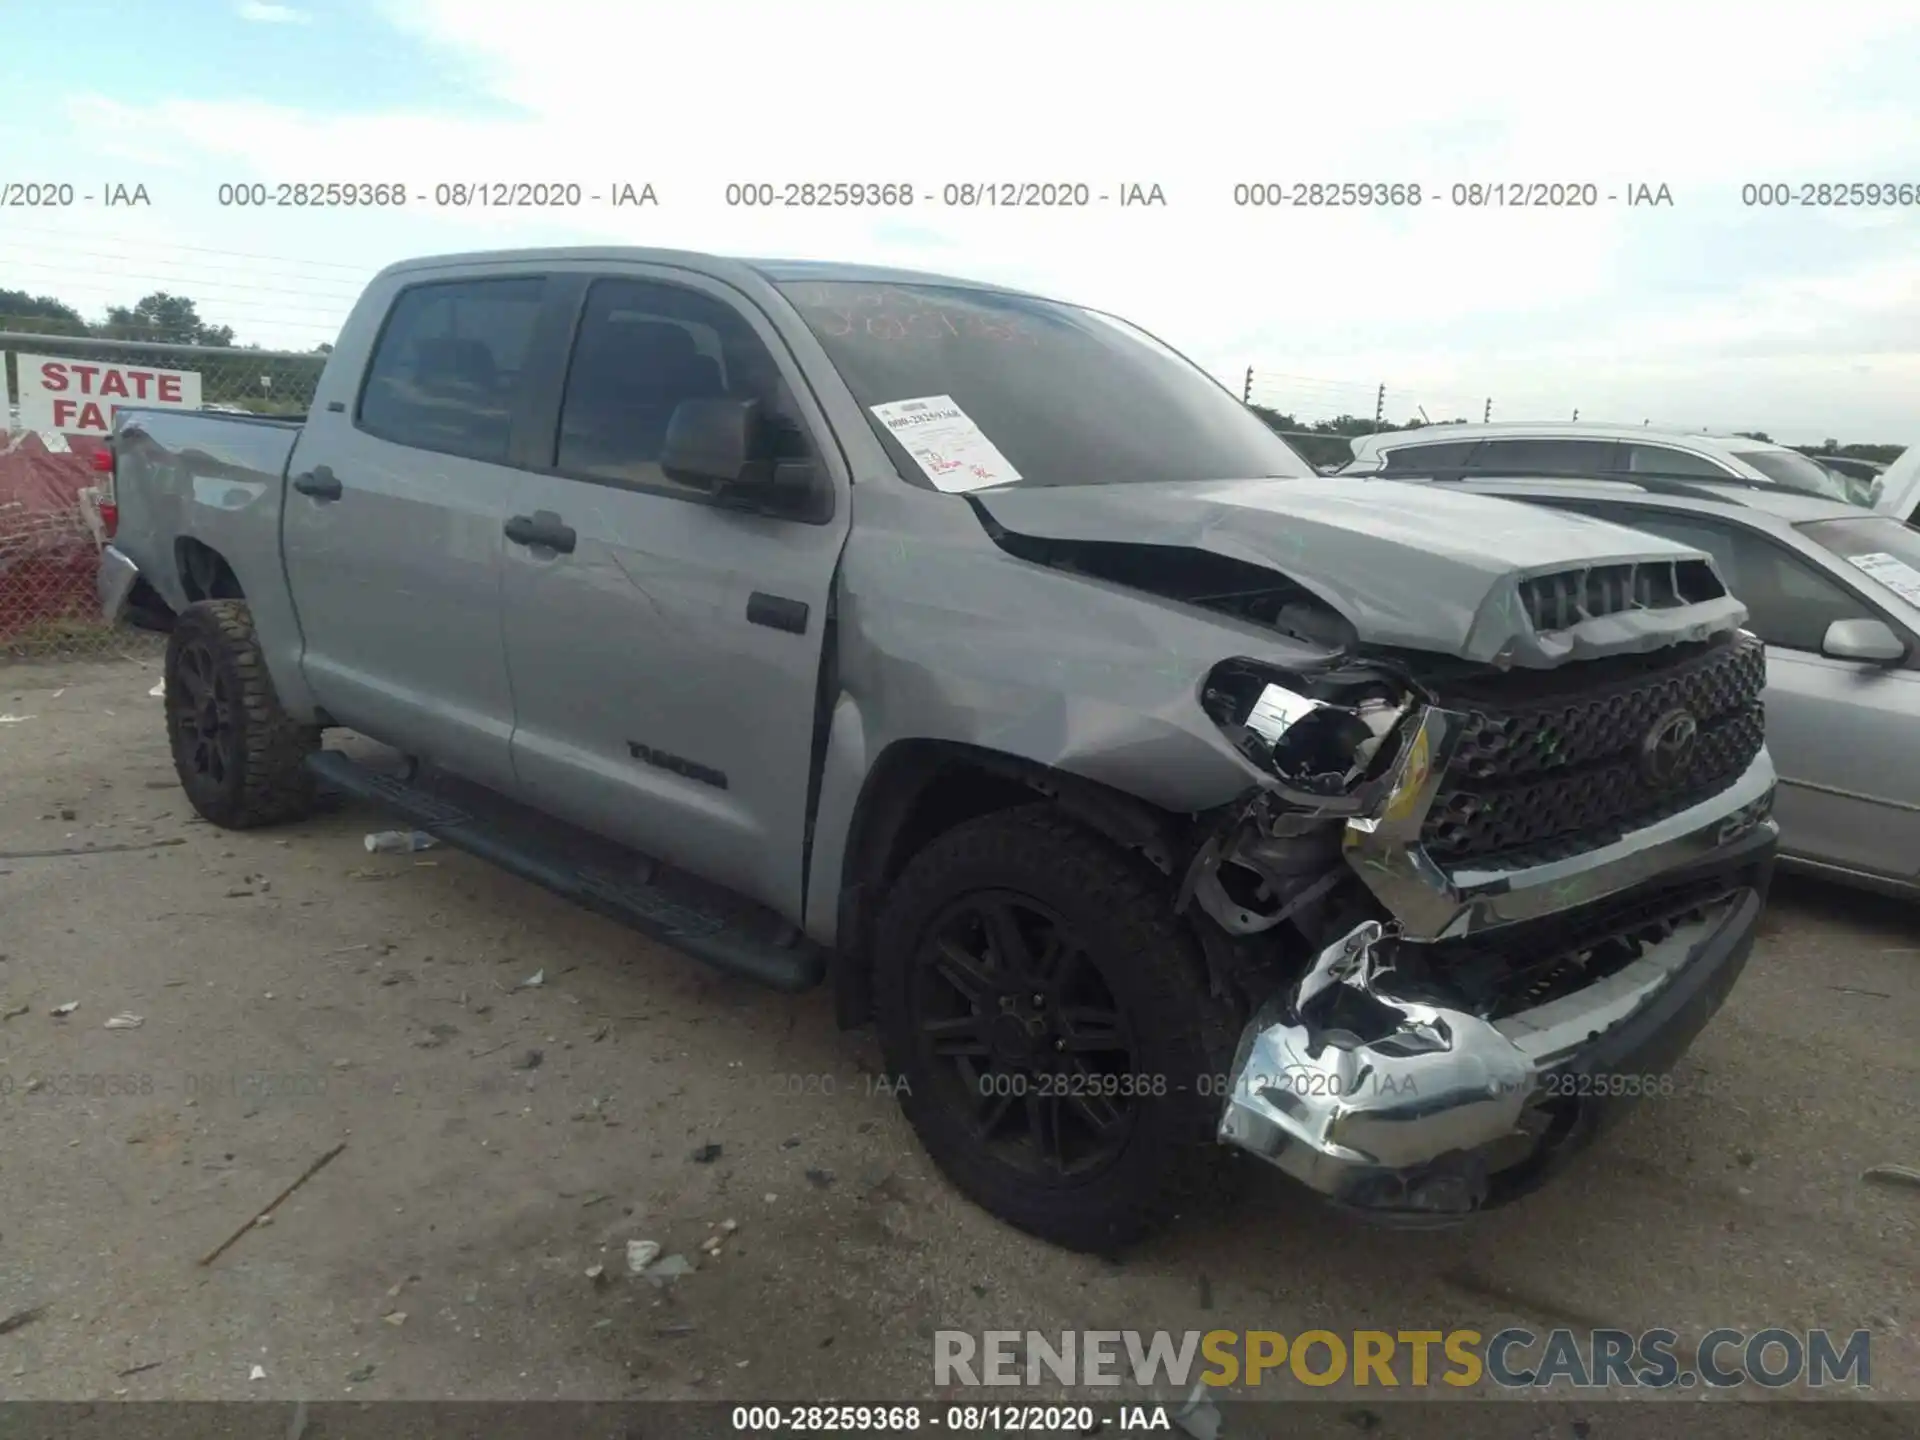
[1870, 640]
[710, 442]
[730, 449]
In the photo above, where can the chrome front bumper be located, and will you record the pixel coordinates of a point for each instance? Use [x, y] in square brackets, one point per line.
[1424, 1117]
[1431, 903]
[114, 582]
[1444, 1113]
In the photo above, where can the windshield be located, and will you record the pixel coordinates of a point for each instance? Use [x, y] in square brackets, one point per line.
[1883, 548]
[1796, 472]
[971, 388]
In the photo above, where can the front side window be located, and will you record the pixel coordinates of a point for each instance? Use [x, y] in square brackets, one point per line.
[1064, 395]
[1794, 471]
[1789, 603]
[643, 348]
[447, 369]
[1637, 459]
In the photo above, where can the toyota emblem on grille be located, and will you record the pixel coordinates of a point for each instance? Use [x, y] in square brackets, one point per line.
[1667, 751]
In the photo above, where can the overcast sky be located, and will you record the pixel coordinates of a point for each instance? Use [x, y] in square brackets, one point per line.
[1803, 321]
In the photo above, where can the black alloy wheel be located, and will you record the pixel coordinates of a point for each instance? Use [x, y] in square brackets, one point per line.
[1017, 1021]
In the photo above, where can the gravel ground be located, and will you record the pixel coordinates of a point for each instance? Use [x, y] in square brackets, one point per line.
[503, 1139]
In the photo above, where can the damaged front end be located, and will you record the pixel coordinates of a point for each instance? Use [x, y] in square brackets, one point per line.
[1451, 1004]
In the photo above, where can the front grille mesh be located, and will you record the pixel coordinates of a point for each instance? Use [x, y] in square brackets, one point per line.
[1534, 781]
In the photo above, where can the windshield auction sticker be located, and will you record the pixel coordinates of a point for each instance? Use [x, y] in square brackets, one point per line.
[945, 443]
[1894, 573]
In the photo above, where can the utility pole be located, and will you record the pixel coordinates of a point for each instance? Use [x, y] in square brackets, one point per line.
[1486, 415]
[1576, 412]
[1380, 406]
[1246, 393]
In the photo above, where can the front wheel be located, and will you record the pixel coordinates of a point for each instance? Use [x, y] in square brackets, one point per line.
[1051, 1024]
[240, 757]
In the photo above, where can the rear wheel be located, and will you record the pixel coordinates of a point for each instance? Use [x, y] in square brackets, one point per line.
[1050, 1021]
[240, 757]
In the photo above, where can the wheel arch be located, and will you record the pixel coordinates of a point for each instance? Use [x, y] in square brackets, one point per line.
[917, 790]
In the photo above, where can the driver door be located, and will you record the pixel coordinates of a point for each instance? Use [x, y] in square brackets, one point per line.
[666, 655]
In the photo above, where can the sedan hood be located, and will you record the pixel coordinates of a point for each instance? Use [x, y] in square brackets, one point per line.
[1409, 566]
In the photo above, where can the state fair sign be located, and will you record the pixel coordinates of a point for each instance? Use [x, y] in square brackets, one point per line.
[78, 397]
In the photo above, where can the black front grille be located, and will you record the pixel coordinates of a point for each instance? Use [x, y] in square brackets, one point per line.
[1536, 780]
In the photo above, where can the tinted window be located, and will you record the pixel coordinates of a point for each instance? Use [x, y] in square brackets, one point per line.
[1545, 457]
[1873, 536]
[642, 348]
[1789, 603]
[1068, 396]
[1665, 460]
[1425, 459]
[447, 369]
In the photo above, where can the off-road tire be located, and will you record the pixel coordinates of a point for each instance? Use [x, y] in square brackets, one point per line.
[262, 779]
[1171, 1164]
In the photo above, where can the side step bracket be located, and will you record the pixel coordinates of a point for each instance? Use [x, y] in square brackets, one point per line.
[741, 940]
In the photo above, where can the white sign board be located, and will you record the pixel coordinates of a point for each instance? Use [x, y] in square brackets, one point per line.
[78, 397]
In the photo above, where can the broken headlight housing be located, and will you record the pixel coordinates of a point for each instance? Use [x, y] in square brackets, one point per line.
[1323, 735]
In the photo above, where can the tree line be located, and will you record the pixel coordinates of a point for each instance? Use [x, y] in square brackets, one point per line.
[162, 317]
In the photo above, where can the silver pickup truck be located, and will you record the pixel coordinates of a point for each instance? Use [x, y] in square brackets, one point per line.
[977, 654]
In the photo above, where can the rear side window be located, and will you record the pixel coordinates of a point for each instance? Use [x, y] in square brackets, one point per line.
[447, 370]
[1546, 457]
[1425, 459]
[1665, 460]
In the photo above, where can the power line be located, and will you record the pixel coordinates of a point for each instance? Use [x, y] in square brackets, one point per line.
[178, 280]
[202, 250]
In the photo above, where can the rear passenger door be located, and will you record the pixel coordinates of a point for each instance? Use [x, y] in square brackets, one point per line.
[667, 666]
[392, 530]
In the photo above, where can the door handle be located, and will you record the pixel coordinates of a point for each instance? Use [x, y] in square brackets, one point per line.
[319, 482]
[542, 530]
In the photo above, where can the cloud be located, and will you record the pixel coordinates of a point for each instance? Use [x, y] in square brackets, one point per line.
[263, 13]
[1706, 304]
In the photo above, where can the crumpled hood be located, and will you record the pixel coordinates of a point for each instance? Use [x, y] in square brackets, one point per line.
[1410, 566]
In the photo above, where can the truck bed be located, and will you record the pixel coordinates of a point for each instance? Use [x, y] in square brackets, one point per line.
[213, 478]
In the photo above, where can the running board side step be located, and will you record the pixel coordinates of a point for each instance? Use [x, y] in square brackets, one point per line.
[585, 869]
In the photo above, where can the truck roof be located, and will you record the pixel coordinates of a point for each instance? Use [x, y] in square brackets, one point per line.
[776, 271]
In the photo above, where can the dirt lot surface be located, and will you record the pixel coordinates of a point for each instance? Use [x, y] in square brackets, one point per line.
[503, 1138]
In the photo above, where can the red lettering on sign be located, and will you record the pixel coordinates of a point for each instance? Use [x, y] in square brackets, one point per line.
[114, 383]
[170, 388]
[140, 379]
[53, 375]
[86, 374]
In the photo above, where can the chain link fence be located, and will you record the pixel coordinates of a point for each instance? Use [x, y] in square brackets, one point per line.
[57, 397]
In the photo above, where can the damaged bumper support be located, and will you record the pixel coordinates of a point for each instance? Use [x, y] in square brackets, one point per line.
[1406, 1108]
